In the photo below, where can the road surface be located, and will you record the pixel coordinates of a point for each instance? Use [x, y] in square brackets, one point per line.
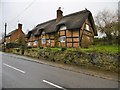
[19, 73]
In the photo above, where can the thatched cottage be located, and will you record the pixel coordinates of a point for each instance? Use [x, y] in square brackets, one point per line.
[73, 30]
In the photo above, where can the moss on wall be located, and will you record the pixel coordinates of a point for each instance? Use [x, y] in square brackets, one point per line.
[103, 61]
[75, 56]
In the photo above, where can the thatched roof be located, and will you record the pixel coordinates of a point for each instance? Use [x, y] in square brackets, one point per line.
[71, 21]
[47, 27]
[74, 21]
[31, 32]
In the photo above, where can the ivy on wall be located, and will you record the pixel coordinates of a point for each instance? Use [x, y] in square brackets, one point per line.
[56, 39]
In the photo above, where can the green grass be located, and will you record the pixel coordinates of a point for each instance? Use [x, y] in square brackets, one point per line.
[112, 49]
[103, 48]
[56, 49]
[35, 48]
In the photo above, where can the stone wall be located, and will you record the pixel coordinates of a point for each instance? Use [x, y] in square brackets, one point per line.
[27, 52]
[92, 59]
[107, 62]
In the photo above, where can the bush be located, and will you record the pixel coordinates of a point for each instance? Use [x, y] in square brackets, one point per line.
[40, 47]
[18, 50]
[63, 49]
[12, 45]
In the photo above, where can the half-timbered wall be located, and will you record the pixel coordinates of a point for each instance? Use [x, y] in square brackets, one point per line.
[71, 37]
[87, 34]
[47, 40]
[67, 38]
[33, 41]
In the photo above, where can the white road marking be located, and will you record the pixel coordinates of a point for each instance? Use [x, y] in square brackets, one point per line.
[54, 84]
[14, 68]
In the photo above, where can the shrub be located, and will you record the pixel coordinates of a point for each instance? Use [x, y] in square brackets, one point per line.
[40, 47]
[17, 49]
[13, 45]
[63, 49]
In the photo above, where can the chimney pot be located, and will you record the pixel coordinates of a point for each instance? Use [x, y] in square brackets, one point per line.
[59, 8]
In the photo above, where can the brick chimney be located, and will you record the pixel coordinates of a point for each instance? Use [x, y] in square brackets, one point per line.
[59, 14]
[20, 26]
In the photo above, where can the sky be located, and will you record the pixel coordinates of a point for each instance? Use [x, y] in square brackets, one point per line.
[32, 12]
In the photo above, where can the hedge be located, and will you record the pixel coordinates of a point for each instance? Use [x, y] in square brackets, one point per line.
[13, 45]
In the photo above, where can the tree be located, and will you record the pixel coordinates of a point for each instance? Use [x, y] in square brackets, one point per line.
[107, 22]
[22, 42]
[56, 39]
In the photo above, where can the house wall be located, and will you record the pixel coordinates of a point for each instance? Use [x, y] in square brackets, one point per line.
[33, 41]
[87, 36]
[7, 39]
[50, 40]
[74, 38]
[14, 36]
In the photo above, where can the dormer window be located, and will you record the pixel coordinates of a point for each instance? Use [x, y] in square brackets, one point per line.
[63, 27]
[43, 33]
[87, 27]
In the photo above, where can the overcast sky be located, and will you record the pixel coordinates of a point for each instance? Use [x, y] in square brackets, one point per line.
[32, 12]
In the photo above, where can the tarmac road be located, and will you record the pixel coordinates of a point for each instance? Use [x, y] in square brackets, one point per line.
[19, 73]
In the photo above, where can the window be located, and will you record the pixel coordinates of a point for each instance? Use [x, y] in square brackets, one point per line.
[63, 27]
[35, 42]
[43, 40]
[49, 41]
[43, 33]
[28, 43]
[63, 39]
[87, 27]
[9, 38]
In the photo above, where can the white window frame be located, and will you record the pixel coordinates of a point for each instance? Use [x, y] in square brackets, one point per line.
[28, 43]
[43, 33]
[63, 39]
[5, 43]
[43, 40]
[35, 42]
[87, 27]
[49, 41]
[8, 37]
